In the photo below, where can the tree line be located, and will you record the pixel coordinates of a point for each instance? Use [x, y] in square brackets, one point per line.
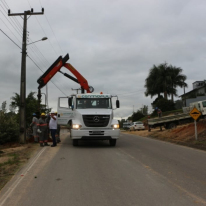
[9, 119]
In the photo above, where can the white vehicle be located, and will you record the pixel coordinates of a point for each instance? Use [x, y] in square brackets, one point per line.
[201, 106]
[90, 117]
[137, 126]
[126, 125]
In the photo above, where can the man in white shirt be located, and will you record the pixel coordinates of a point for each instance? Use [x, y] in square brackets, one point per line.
[53, 128]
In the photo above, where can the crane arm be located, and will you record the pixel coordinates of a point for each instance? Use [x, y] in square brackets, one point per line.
[56, 66]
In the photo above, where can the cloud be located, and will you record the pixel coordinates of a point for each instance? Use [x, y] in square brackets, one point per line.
[113, 44]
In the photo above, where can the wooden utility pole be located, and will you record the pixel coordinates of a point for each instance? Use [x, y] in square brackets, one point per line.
[22, 137]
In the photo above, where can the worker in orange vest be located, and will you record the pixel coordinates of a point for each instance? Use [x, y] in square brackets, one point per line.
[43, 130]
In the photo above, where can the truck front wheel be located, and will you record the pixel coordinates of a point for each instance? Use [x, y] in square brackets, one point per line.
[112, 142]
[75, 142]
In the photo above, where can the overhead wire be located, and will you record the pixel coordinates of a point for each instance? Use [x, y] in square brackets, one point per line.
[30, 59]
[10, 30]
[11, 23]
[7, 7]
[51, 27]
[17, 26]
[10, 38]
[34, 49]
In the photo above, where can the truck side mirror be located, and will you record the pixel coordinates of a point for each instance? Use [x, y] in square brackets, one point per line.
[117, 103]
[70, 102]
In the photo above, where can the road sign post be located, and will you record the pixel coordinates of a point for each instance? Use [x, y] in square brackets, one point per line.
[195, 114]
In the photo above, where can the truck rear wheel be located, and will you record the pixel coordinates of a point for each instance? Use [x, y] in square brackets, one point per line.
[112, 142]
[172, 125]
[75, 142]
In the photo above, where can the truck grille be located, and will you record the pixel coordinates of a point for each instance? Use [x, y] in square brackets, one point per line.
[96, 120]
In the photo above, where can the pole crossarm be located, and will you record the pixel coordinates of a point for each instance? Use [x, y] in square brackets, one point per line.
[28, 12]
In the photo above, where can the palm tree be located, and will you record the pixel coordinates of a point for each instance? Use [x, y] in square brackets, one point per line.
[178, 79]
[151, 85]
[164, 78]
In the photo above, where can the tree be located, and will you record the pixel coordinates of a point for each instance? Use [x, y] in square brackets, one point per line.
[32, 106]
[177, 79]
[9, 129]
[136, 116]
[164, 79]
[165, 105]
[145, 110]
[151, 85]
[3, 106]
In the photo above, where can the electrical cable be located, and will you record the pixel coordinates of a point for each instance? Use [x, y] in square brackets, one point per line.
[12, 20]
[10, 30]
[10, 38]
[11, 24]
[31, 60]
[43, 72]
[51, 28]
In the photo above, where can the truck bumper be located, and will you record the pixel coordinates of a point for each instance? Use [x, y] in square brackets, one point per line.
[95, 134]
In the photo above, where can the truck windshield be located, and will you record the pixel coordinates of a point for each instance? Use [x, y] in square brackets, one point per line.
[93, 103]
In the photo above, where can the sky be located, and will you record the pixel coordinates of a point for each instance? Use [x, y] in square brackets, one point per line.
[112, 43]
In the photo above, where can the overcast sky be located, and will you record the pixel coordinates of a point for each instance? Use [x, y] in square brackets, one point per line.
[112, 43]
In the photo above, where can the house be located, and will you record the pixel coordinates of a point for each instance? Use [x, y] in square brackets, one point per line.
[197, 94]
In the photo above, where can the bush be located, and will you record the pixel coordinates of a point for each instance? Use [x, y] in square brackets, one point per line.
[9, 129]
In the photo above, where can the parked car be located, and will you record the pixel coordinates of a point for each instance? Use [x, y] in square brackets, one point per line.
[126, 125]
[137, 126]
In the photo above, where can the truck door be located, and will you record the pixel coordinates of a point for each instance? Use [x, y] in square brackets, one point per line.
[65, 113]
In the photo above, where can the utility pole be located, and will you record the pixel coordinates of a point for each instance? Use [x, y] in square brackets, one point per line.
[22, 137]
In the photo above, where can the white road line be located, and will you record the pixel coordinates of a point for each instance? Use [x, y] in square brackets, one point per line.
[19, 179]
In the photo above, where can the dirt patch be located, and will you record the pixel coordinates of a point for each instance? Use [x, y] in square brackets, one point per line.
[183, 134]
[12, 157]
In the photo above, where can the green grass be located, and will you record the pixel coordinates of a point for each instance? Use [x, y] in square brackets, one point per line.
[13, 160]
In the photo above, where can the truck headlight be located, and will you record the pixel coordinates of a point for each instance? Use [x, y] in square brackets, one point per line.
[115, 126]
[76, 126]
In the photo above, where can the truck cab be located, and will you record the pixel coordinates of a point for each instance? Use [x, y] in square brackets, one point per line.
[201, 106]
[89, 116]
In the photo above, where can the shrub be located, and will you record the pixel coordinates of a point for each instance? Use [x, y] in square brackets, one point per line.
[9, 129]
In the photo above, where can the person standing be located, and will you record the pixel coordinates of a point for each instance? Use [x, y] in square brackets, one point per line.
[34, 125]
[58, 131]
[58, 134]
[42, 130]
[53, 128]
[159, 112]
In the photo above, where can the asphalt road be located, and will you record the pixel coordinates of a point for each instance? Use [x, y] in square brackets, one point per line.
[139, 171]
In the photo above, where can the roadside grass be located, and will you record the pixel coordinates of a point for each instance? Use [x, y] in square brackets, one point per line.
[182, 135]
[12, 159]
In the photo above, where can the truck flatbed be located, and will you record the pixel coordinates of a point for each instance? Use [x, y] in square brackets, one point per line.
[169, 121]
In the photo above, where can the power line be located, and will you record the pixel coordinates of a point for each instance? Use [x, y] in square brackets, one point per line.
[53, 33]
[5, 4]
[51, 28]
[43, 30]
[10, 38]
[43, 72]
[31, 60]
[10, 30]
[11, 24]
[17, 26]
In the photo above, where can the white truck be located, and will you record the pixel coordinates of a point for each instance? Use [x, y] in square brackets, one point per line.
[89, 116]
[200, 105]
[171, 121]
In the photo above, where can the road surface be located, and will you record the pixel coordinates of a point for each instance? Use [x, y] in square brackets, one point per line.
[138, 171]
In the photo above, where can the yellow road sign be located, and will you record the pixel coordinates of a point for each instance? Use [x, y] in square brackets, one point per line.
[195, 113]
